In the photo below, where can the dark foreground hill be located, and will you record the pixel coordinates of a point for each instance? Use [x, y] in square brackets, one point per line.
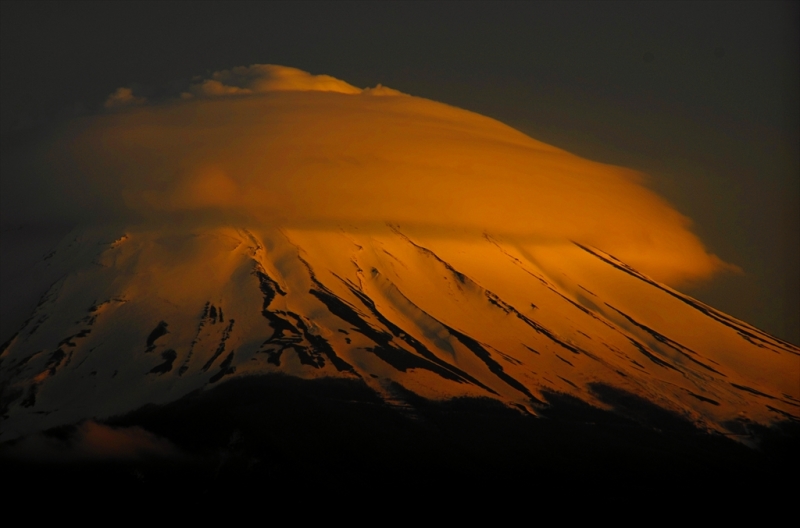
[275, 437]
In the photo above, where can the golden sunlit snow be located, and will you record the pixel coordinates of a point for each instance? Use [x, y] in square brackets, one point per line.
[274, 221]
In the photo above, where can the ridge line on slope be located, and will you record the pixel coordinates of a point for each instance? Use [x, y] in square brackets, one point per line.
[411, 340]
[545, 283]
[494, 298]
[723, 319]
[666, 340]
[473, 345]
[395, 356]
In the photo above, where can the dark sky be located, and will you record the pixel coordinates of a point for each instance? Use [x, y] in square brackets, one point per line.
[701, 96]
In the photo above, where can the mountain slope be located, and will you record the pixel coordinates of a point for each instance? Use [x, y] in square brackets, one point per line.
[143, 316]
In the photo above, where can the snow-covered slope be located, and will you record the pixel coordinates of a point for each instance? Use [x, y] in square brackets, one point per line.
[144, 315]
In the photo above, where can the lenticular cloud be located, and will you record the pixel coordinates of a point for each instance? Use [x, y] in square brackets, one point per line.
[276, 145]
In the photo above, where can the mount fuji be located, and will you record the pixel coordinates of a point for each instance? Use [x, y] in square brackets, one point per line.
[280, 277]
[147, 317]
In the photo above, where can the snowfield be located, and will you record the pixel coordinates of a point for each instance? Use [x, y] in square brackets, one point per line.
[143, 315]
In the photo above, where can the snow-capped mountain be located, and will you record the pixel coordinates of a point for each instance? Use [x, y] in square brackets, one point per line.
[288, 258]
[142, 315]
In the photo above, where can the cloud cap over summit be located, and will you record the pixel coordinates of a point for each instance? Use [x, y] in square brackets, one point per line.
[274, 144]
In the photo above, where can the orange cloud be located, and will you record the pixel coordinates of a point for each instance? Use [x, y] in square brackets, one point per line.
[262, 78]
[203, 188]
[123, 97]
[94, 441]
[100, 441]
[299, 149]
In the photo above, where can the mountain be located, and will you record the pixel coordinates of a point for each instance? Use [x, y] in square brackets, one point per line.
[283, 282]
[148, 316]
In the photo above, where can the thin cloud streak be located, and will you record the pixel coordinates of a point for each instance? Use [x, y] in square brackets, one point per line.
[90, 441]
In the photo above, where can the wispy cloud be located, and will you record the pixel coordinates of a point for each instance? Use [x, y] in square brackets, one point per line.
[123, 97]
[263, 78]
[92, 441]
